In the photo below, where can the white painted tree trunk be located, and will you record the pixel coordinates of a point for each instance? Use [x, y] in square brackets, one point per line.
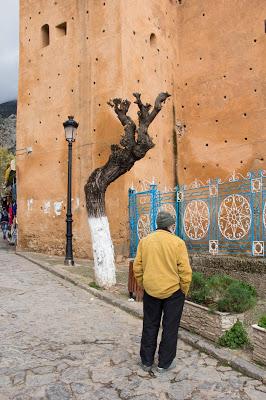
[103, 251]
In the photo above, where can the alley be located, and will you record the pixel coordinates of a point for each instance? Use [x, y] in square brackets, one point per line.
[58, 342]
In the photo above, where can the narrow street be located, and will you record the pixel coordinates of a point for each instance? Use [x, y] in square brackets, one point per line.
[58, 342]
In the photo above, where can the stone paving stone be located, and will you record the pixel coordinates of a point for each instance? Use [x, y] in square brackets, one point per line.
[58, 344]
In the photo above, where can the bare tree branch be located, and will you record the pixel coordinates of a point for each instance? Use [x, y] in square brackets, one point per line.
[134, 144]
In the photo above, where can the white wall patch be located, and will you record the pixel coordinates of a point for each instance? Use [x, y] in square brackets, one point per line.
[46, 207]
[58, 207]
[29, 204]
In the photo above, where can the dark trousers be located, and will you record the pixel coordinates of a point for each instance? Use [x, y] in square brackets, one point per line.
[153, 308]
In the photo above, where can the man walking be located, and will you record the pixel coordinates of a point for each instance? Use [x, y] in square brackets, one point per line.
[162, 267]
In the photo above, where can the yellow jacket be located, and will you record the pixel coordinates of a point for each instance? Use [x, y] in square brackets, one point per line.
[162, 265]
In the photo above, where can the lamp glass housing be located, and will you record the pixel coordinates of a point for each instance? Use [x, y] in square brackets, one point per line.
[70, 133]
[70, 127]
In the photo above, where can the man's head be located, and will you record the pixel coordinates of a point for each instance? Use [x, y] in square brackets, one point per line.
[165, 220]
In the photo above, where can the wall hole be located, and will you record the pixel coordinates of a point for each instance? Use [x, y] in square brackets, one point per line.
[185, 168]
[265, 26]
[255, 90]
[45, 35]
[262, 159]
[198, 104]
[200, 58]
[245, 114]
[254, 40]
[96, 59]
[59, 162]
[225, 97]
[87, 12]
[224, 76]
[183, 106]
[94, 83]
[225, 141]
[153, 40]
[203, 166]
[250, 68]
[103, 30]
[241, 162]
[99, 105]
[216, 120]
[72, 90]
[246, 138]
[40, 122]
[206, 144]
[203, 14]
[56, 138]
[134, 33]
[61, 29]
[138, 80]
[217, 165]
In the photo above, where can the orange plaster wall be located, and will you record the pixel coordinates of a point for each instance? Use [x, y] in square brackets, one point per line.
[209, 55]
[223, 88]
[99, 58]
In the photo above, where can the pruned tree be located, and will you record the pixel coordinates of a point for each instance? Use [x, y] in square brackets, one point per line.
[134, 144]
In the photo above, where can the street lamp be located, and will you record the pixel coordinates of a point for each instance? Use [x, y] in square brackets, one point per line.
[70, 127]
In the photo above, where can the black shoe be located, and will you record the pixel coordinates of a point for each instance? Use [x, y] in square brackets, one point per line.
[171, 366]
[145, 368]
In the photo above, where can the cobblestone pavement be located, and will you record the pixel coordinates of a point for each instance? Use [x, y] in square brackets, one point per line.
[58, 342]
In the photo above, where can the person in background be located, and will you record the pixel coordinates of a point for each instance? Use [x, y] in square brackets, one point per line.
[4, 222]
[162, 268]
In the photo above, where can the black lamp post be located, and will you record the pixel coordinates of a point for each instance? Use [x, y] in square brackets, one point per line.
[70, 127]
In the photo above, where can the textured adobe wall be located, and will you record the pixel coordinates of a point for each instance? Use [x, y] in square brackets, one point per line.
[209, 55]
[223, 89]
[110, 49]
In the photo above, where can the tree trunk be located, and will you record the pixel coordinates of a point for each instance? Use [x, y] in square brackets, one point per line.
[134, 144]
